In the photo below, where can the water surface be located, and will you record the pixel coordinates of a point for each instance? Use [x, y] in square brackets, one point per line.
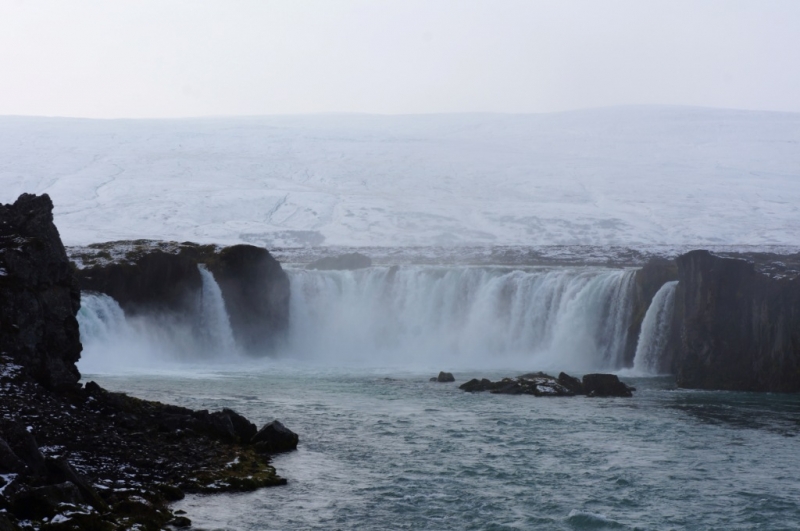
[386, 449]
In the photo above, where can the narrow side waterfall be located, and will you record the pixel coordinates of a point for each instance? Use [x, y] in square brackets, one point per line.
[655, 331]
[214, 323]
[109, 339]
[557, 319]
[100, 319]
[113, 340]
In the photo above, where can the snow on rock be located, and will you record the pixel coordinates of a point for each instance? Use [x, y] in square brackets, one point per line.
[632, 177]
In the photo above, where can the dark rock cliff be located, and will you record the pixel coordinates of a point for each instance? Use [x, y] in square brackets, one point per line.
[156, 281]
[256, 293]
[735, 326]
[163, 277]
[39, 297]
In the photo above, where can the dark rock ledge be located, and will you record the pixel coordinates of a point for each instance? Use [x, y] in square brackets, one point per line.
[147, 277]
[79, 457]
[541, 384]
[92, 459]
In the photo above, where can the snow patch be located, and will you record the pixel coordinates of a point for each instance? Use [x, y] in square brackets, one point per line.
[635, 177]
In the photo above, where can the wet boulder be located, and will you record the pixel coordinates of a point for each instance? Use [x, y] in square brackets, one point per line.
[541, 384]
[444, 377]
[274, 437]
[476, 386]
[535, 383]
[605, 385]
[571, 383]
[59, 470]
[242, 428]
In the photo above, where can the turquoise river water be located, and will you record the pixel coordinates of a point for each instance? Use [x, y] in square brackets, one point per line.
[387, 449]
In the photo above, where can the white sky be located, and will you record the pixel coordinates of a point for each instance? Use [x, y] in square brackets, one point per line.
[156, 58]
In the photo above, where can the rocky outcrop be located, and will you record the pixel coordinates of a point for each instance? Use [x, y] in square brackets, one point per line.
[605, 385]
[541, 384]
[256, 293]
[274, 437]
[342, 262]
[736, 325]
[443, 377]
[163, 277]
[39, 297]
[570, 382]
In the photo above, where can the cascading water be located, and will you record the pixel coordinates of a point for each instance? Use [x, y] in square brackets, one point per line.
[100, 318]
[214, 323]
[454, 317]
[108, 338]
[462, 316]
[112, 340]
[655, 331]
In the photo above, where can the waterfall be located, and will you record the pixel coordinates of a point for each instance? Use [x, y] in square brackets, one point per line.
[655, 331]
[108, 338]
[113, 340]
[100, 318]
[214, 323]
[570, 319]
[573, 319]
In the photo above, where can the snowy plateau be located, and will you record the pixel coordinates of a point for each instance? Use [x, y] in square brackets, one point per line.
[637, 177]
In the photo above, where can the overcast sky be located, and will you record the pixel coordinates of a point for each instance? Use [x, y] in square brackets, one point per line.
[157, 58]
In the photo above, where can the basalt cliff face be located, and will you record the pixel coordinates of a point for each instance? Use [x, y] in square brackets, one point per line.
[39, 296]
[736, 323]
[256, 293]
[163, 277]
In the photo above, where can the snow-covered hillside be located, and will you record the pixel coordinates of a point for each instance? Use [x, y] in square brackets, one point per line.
[638, 177]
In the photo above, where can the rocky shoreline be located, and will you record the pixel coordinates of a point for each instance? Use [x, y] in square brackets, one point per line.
[86, 458]
[76, 456]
